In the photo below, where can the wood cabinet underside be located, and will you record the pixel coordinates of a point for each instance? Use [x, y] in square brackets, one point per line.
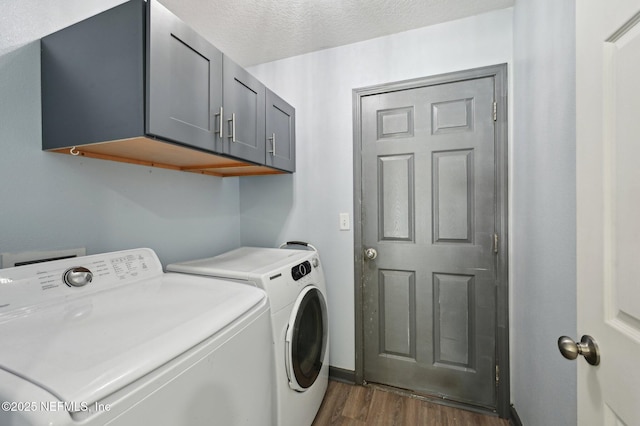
[156, 153]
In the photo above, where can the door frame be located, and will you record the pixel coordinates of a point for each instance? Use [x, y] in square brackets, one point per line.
[499, 73]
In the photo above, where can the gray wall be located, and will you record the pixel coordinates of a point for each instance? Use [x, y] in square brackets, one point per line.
[307, 204]
[52, 201]
[543, 236]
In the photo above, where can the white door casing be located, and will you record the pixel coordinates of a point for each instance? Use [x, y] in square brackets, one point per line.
[608, 208]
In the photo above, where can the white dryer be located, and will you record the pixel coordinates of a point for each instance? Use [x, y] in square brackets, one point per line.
[111, 339]
[294, 282]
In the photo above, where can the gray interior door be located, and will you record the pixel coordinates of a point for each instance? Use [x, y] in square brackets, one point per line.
[429, 211]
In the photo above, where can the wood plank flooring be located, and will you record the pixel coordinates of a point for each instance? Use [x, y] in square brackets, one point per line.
[353, 405]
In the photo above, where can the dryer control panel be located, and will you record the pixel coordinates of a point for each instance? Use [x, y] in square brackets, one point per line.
[301, 270]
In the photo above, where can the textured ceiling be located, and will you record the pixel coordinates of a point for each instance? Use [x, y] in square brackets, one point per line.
[258, 31]
[255, 31]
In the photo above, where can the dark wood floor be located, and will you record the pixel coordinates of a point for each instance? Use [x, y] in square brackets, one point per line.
[346, 404]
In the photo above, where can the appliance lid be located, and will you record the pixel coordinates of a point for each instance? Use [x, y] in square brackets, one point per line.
[88, 347]
[242, 263]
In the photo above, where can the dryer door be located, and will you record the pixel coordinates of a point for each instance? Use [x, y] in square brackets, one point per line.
[306, 339]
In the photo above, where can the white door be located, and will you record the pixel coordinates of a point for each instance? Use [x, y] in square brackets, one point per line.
[608, 208]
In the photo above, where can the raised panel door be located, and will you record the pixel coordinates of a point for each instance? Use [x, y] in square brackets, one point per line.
[608, 207]
[429, 208]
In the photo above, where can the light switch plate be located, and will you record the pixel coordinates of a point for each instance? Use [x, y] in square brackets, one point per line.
[345, 223]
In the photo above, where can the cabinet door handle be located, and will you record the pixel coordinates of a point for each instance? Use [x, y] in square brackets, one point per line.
[233, 127]
[273, 144]
[220, 122]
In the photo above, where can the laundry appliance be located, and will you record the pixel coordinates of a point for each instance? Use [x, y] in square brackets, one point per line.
[111, 339]
[294, 282]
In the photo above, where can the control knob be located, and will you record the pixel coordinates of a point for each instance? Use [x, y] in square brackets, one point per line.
[77, 276]
[302, 269]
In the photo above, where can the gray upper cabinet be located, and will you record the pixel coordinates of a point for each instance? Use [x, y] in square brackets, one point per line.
[281, 133]
[136, 84]
[92, 79]
[184, 82]
[105, 78]
[244, 111]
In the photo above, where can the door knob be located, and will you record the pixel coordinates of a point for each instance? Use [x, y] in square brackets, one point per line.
[587, 348]
[371, 253]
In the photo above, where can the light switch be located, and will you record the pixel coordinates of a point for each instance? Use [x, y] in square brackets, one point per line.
[345, 224]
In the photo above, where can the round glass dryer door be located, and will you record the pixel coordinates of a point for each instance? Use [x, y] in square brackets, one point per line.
[306, 340]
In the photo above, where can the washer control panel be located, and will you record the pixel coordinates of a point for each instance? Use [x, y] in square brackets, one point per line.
[60, 280]
[301, 270]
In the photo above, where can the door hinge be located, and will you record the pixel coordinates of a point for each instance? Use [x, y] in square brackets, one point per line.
[497, 375]
[495, 110]
[495, 243]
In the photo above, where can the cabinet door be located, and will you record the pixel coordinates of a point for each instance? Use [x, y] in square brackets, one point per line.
[244, 103]
[184, 82]
[281, 133]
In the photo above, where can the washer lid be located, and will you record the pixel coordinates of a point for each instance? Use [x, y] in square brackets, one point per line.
[242, 263]
[89, 347]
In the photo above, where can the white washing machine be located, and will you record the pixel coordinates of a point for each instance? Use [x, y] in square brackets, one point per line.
[294, 282]
[110, 339]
